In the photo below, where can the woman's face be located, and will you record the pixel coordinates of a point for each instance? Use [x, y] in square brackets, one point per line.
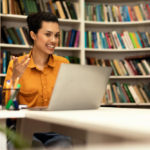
[47, 37]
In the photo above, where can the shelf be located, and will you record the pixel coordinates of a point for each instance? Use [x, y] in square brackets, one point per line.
[117, 50]
[3, 45]
[68, 48]
[137, 23]
[127, 105]
[69, 21]
[2, 75]
[131, 77]
[9, 17]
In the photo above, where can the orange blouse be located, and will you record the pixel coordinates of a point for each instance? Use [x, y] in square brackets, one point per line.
[37, 85]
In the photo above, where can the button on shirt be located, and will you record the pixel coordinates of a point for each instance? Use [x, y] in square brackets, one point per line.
[37, 85]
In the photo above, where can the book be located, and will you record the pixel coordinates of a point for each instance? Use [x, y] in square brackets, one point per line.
[138, 39]
[25, 7]
[114, 69]
[141, 68]
[116, 39]
[115, 93]
[142, 11]
[144, 67]
[68, 38]
[132, 39]
[123, 70]
[124, 41]
[45, 6]
[94, 37]
[147, 66]
[6, 35]
[133, 67]
[20, 36]
[138, 94]
[27, 35]
[128, 67]
[138, 13]
[108, 90]
[144, 95]
[117, 66]
[135, 96]
[12, 35]
[23, 36]
[121, 94]
[16, 35]
[77, 38]
[112, 93]
[71, 9]
[52, 6]
[4, 54]
[121, 41]
[5, 7]
[130, 13]
[21, 5]
[147, 89]
[108, 40]
[126, 87]
[60, 9]
[11, 7]
[135, 40]
[128, 39]
[125, 94]
[64, 9]
[145, 40]
[72, 38]
[136, 67]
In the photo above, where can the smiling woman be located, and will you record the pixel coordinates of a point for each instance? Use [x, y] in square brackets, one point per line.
[37, 71]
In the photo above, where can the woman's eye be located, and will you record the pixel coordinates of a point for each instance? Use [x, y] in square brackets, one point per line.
[48, 34]
[57, 35]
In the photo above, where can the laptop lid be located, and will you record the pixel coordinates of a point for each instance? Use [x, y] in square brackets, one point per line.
[79, 87]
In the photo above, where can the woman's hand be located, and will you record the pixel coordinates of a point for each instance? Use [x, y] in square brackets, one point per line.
[19, 67]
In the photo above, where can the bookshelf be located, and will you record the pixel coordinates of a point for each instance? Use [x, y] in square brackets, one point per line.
[94, 25]
[82, 24]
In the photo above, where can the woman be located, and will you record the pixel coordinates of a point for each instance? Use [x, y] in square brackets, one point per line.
[38, 70]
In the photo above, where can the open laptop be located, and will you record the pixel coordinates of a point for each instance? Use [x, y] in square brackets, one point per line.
[79, 87]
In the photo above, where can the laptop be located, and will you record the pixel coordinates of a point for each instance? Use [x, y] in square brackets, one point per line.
[79, 87]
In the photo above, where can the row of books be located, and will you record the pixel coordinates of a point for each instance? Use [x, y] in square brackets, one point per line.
[124, 67]
[117, 13]
[73, 59]
[20, 35]
[115, 40]
[6, 56]
[127, 93]
[62, 9]
[69, 38]
[15, 35]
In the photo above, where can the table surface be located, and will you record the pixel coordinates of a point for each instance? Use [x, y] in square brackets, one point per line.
[125, 122]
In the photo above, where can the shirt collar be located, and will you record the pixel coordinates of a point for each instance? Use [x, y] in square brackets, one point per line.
[51, 61]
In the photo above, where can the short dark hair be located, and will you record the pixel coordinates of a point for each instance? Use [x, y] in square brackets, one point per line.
[34, 21]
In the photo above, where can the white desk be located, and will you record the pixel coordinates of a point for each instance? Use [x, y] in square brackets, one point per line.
[117, 123]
